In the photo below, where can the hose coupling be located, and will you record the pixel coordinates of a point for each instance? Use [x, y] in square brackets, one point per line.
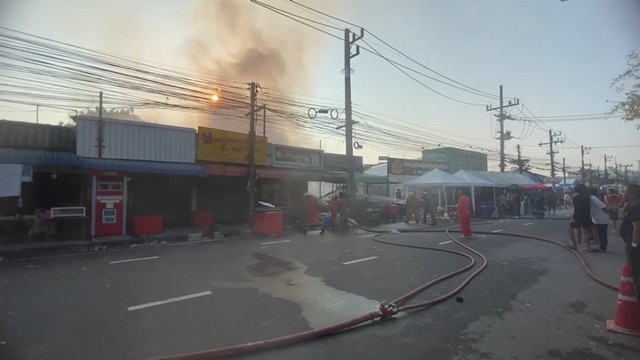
[387, 310]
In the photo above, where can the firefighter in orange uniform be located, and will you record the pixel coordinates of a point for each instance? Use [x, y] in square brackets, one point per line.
[463, 210]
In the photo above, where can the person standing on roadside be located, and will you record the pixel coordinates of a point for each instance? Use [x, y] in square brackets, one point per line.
[343, 211]
[413, 207]
[613, 201]
[582, 214]
[600, 219]
[463, 210]
[427, 203]
[630, 230]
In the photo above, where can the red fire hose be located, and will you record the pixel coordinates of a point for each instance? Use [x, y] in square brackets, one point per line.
[386, 310]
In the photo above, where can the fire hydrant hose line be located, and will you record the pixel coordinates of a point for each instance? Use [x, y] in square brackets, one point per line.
[387, 310]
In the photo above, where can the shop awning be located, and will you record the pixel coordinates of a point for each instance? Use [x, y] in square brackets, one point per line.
[38, 157]
[239, 170]
[145, 167]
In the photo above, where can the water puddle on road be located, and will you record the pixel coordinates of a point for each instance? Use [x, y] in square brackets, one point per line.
[321, 304]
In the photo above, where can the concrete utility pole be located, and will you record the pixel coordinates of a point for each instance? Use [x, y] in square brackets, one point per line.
[606, 171]
[349, 39]
[626, 173]
[501, 118]
[519, 160]
[553, 140]
[251, 156]
[583, 151]
[264, 121]
[564, 173]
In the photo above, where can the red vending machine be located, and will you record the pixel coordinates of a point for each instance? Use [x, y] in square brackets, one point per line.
[109, 205]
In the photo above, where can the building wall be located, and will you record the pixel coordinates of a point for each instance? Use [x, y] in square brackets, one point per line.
[134, 140]
[458, 159]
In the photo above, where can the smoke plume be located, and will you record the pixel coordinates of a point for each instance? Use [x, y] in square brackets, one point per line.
[232, 41]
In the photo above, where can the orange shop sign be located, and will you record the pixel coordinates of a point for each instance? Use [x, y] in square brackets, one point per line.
[229, 147]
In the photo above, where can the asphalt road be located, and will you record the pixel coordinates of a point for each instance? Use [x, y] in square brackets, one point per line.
[533, 301]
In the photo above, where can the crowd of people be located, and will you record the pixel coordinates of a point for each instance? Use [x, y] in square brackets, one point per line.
[595, 210]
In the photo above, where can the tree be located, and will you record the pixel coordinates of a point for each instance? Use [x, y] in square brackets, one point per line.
[521, 165]
[122, 114]
[628, 83]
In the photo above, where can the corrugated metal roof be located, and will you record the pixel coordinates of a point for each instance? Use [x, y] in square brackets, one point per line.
[23, 135]
[41, 157]
[38, 157]
[134, 140]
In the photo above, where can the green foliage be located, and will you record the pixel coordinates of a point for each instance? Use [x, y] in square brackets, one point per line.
[628, 83]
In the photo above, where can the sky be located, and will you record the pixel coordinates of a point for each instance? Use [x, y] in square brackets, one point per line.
[557, 57]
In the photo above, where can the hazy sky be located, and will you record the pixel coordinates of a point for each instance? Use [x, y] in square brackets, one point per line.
[558, 58]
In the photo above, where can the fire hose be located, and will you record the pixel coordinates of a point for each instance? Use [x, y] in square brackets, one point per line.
[387, 310]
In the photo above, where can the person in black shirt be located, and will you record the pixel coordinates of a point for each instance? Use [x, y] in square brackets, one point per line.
[630, 230]
[582, 214]
[428, 204]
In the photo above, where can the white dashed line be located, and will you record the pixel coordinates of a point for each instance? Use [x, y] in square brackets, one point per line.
[497, 231]
[445, 242]
[131, 260]
[167, 301]
[527, 224]
[275, 242]
[359, 260]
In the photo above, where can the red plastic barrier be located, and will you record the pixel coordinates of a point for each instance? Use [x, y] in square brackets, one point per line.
[147, 225]
[268, 223]
[392, 210]
[202, 219]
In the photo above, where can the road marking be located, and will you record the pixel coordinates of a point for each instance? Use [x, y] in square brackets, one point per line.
[275, 242]
[130, 260]
[497, 231]
[167, 301]
[445, 242]
[527, 224]
[359, 260]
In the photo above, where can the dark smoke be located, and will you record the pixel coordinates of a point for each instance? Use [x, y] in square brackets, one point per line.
[232, 42]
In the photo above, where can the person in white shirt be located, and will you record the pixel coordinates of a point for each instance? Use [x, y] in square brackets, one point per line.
[600, 218]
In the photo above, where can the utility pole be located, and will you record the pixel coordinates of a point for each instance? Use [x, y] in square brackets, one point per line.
[100, 128]
[37, 114]
[606, 171]
[501, 118]
[264, 121]
[553, 140]
[519, 160]
[251, 156]
[349, 39]
[584, 150]
[564, 173]
[626, 173]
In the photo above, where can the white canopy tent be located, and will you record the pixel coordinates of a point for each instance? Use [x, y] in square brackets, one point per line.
[473, 181]
[437, 178]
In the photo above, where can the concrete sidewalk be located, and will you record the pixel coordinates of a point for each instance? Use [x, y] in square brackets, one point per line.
[18, 250]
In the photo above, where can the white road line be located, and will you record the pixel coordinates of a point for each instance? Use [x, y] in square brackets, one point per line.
[445, 242]
[527, 224]
[275, 242]
[130, 260]
[497, 231]
[167, 301]
[359, 260]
